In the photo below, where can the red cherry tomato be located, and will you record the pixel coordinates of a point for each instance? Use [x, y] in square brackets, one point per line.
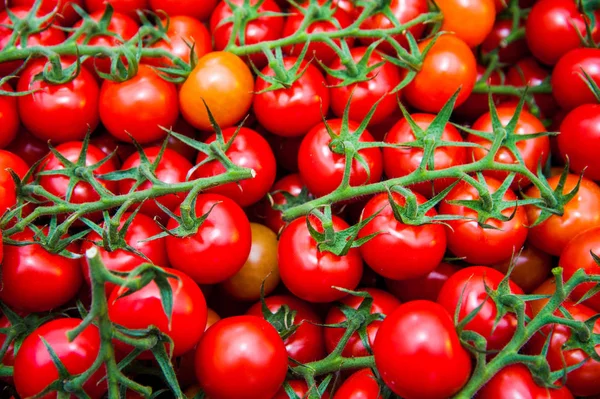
[553, 27]
[291, 184]
[361, 385]
[478, 245]
[448, 66]
[309, 273]
[295, 110]
[193, 8]
[139, 106]
[568, 79]
[363, 95]
[579, 214]
[128, 7]
[322, 169]
[527, 72]
[72, 107]
[28, 147]
[219, 248]
[8, 190]
[65, 13]
[182, 32]
[427, 287]
[477, 104]
[171, 169]
[383, 303]
[401, 251]
[9, 117]
[531, 267]
[398, 162]
[509, 53]
[516, 381]
[300, 388]
[307, 343]
[244, 349]
[579, 137]
[467, 287]
[34, 368]
[248, 150]
[417, 344]
[142, 309]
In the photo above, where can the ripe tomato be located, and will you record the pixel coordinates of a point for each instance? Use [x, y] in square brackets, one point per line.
[311, 274]
[143, 308]
[478, 245]
[418, 353]
[300, 388]
[225, 83]
[285, 149]
[477, 103]
[426, 287]
[244, 349]
[322, 170]
[516, 381]
[509, 53]
[34, 369]
[196, 9]
[248, 149]
[383, 303]
[553, 27]
[35, 280]
[527, 72]
[363, 95]
[138, 107]
[568, 80]
[533, 151]
[576, 255]
[260, 267]
[548, 287]
[401, 251]
[9, 118]
[295, 110]
[471, 21]
[173, 143]
[8, 190]
[128, 7]
[307, 343]
[171, 169]
[401, 161]
[122, 26]
[531, 268]
[467, 287]
[448, 66]
[404, 11]
[141, 228]
[360, 385]
[183, 30]
[579, 135]
[219, 248]
[321, 51]
[72, 107]
[45, 37]
[259, 30]
[82, 192]
[584, 380]
[579, 214]
[291, 184]
[9, 356]
[65, 13]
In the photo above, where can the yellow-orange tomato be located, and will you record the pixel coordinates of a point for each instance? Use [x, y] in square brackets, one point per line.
[225, 82]
[260, 266]
[471, 20]
[532, 268]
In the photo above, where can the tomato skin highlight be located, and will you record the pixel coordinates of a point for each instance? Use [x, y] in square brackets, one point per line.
[247, 349]
[139, 106]
[516, 381]
[219, 248]
[310, 274]
[418, 353]
[72, 107]
[34, 369]
[143, 308]
[400, 251]
[448, 66]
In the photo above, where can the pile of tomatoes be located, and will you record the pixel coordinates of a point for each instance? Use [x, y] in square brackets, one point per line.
[374, 294]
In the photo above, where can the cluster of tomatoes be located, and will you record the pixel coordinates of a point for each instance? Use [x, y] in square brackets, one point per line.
[306, 106]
